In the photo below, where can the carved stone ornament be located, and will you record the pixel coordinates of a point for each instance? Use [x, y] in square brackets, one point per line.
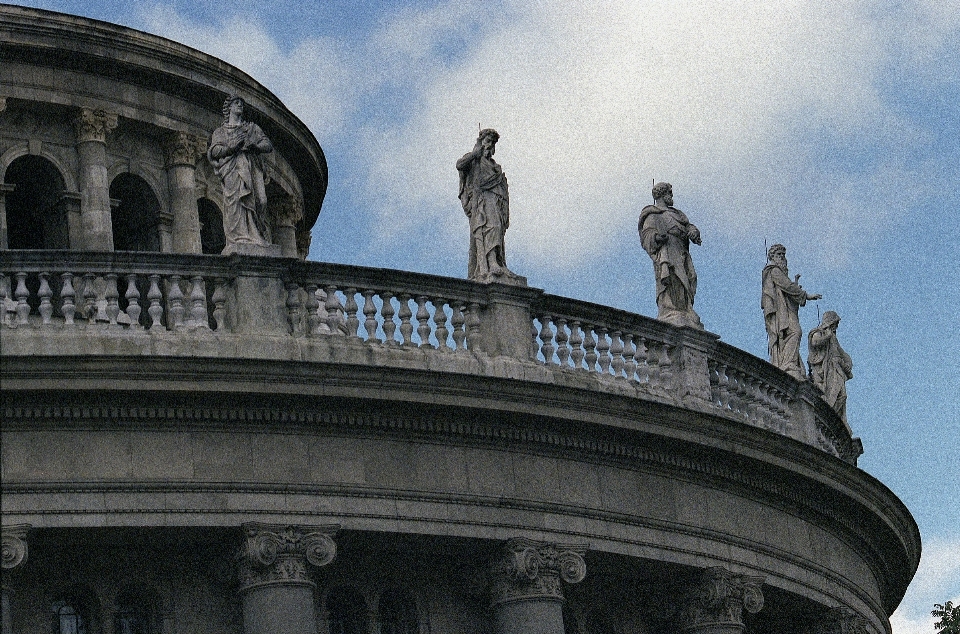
[839, 620]
[718, 599]
[288, 211]
[93, 125]
[14, 547]
[278, 554]
[527, 569]
[184, 149]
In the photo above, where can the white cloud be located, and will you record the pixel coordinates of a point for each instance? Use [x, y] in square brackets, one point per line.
[937, 581]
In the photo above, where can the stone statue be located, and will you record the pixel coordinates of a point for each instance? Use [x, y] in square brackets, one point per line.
[666, 234]
[830, 365]
[235, 150]
[486, 201]
[781, 302]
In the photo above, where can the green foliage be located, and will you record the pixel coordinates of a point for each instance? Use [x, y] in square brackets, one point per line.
[949, 616]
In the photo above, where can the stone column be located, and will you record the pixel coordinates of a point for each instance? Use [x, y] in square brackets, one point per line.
[182, 152]
[275, 585]
[14, 545]
[91, 128]
[526, 593]
[287, 212]
[714, 603]
[5, 188]
[838, 621]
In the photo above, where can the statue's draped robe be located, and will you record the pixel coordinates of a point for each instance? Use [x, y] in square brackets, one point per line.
[486, 201]
[830, 367]
[244, 191]
[781, 302]
[672, 265]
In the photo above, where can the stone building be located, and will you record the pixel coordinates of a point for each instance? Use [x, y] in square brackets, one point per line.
[236, 444]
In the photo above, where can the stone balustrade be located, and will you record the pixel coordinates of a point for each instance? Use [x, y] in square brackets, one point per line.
[70, 302]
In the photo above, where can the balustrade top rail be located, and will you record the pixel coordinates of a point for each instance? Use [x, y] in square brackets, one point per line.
[63, 293]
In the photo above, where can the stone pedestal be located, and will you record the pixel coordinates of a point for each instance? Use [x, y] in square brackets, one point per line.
[715, 602]
[505, 322]
[14, 544]
[91, 127]
[182, 151]
[276, 590]
[526, 590]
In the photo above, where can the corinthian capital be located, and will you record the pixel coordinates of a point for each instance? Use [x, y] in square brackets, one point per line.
[93, 125]
[184, 149]
[288, 211]
[717, 600]
[279, 554]
[14, 548]
[527, 569]
[839, 620]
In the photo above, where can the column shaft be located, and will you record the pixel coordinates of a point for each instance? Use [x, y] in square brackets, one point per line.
[91, 128]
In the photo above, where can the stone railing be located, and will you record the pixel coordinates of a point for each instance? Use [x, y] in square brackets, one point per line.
[68, 302]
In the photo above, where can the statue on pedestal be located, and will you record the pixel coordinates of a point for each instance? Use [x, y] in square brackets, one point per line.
[235, 150]
[781, 302]
[486, 201]
[666, 234]
[830, 366]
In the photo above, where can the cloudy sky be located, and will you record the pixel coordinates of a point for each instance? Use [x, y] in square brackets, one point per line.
[832, 127]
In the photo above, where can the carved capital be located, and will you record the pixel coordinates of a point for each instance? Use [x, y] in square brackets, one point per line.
[93, 125]
[718, 598]
[184, 149]
[839, 620]
[304, 238]
[527, 569]
[288, 211]
[280, 554]
[14, 545]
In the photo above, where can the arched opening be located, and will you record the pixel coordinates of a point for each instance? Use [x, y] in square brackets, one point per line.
[36, 215]
[346, 612]
[212, 238]
[136, 215]
[74, 613]
[135, 613]
[398, 613]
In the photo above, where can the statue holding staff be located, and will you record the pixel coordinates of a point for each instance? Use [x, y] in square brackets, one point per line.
[781, 302]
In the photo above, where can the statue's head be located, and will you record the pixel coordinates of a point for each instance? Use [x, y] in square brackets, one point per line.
[830, 320]
[777, 254]
[233, 101]
[663, 190]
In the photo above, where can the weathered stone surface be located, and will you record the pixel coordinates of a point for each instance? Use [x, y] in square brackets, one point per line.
[830, 366]
[781, 302]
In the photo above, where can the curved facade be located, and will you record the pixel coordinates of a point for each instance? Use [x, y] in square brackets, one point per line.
[206, 443]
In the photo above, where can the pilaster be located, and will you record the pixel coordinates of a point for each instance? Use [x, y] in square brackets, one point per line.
[715, 602]
[526, 589]
[14, 555]
[182, 151]
[91, 128]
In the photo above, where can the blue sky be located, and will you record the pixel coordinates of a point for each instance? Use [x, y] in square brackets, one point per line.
[831, 127]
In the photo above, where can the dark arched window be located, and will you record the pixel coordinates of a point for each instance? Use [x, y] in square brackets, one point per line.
[346, 611]
[212, 239]
[398, 613]
[136, 215]
[36, 213]
[135, 613]
[71, 615]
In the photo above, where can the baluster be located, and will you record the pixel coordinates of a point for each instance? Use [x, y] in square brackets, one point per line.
[154, 296]
[312, 305]
[764, 409]
[323, 326]
[67, 294]
[666, 366]
[370, 315]
[643, 367]
[21, 293]
[389, 325]
[743, 394]
[423, 322]
[351, 308]
[616, 351]
[132, 295]
[714, 374]
[45, 293]
[440, 321]
[474, 339]
[406, 328]
[334, 311]
[603, 346]
[773, 414]
[723, 386]
[563, 349]
[112, 295]
[175, 297]
[89, 298]
[293, 306]
[747, 387]
[654, 350]
[458, 320]
[546, 337]
[198, 299]
[590, 346]
[534, 346]
[733, 400]
[783, 410]
[576, 344]
[629, 362]
[219, 300]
